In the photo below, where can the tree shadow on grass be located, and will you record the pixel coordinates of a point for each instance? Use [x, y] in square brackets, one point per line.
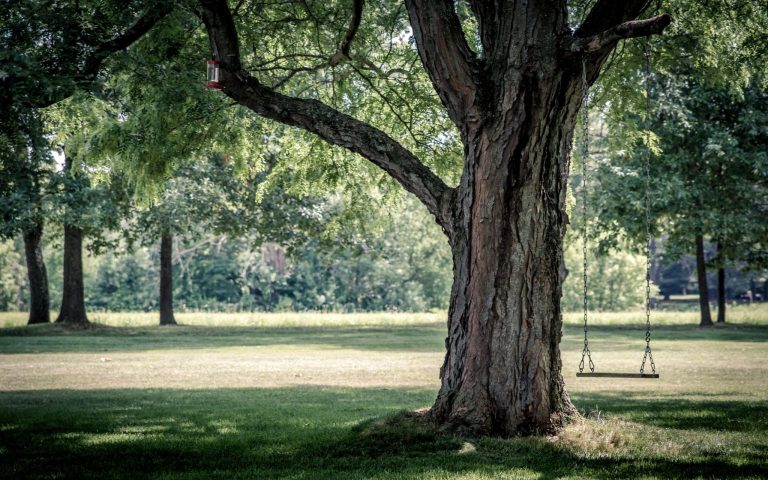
[300, 433]
[426, 337]
[729, 332]
[680, 411]
[55, 339]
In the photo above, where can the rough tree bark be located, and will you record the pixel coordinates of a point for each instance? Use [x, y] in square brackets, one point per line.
[166, 280]
[72, 310]
[701, 275]
[39, 300]
[515, 106]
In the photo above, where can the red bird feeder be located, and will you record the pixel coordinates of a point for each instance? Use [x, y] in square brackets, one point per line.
[214, 75]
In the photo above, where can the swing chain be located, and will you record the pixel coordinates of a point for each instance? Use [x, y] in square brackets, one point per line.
[648, 356]
[584, 155]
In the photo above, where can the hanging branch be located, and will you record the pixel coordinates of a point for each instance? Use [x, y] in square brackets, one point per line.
[100, 51]
[341, 54]
[316, 117]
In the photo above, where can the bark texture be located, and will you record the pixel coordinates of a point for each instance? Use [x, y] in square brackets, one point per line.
[701, 276]
[515, 105]
[39, 300]
[72, 310]
[166, 280]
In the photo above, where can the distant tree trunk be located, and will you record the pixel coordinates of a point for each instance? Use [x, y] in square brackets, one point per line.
[765, 290]
[166, 280]
[73, 299]
[39, 299]
[720, 290]
[721, 295]
[701, 271]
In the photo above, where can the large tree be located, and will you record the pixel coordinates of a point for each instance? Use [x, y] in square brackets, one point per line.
[514, 99]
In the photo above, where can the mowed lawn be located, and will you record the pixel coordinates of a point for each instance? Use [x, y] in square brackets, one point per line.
[307, 396]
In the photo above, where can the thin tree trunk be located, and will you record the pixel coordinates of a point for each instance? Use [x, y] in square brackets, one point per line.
[701, 273]
[765, 290]
[721, 306]
[73, 298]
[39, 299]
[166, 280]
[720, 290]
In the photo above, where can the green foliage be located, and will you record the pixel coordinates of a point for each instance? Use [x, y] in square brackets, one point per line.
[708, 155]
[27, 177]
[157, 115]
[382, 82]
[405, 266]
[616, 279]
[125, 283]
[13, 280]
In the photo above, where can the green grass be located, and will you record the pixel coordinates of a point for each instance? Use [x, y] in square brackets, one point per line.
[756, 314]
[317, 396]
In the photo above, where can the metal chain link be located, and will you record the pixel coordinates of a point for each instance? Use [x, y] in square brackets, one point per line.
[584, 156]
[648, 356]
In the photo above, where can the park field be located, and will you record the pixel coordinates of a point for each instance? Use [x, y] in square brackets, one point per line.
[322, 396]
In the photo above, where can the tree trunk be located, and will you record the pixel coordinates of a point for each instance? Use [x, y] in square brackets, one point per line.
[721, 295]
[166, 280]
[39, 299]
[720, 291]
[701, 272]
[73, 299]
[765, 290]
[502, 370]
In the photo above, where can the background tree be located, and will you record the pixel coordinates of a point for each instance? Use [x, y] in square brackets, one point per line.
[705, 155]
[202, 201]
[26, 174]
[48, 50]
[88, 203]
[710, 49]
[161, 134]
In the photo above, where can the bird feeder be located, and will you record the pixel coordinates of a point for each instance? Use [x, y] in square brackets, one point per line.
[214, 75]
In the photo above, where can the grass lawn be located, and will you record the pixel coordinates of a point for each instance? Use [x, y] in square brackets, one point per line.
[307, 396]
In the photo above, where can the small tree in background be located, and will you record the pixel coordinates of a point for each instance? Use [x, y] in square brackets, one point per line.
[708, 180]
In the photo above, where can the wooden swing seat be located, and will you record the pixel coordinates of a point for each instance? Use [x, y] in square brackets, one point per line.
[617, 375]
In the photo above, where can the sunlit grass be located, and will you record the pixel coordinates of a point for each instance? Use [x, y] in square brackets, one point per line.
[250, 319]
[755, 314]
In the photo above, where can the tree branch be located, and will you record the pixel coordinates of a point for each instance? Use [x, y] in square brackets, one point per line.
[450, 63]
[92, 63]
[630, 29]
[141, 26]
[607, 22]
[341, 54]
[607, 14]
[354, 25]
[313, 116]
